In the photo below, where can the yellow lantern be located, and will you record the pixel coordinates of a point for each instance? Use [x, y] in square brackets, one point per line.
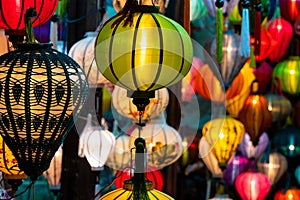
[142, 50]
[224, 136]
[126, 193]
[125, 106]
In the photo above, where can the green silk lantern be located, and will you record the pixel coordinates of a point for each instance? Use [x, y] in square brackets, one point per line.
[143, 50]
[288, 72]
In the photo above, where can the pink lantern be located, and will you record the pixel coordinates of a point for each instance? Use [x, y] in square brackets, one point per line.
[252, 185]
[237, 165]
[263, 74]
[247, 148]
[282, 32]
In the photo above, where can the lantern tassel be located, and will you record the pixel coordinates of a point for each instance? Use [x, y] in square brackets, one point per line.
[245, 33]
[257, 29]
[219, 35]
[30, 13]
[139, 187]
[252, 58]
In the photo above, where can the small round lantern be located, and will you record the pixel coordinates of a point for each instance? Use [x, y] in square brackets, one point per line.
[290, 194]
[255, 114]
[273, 165]
[119, 157]
[152, 174]
[282, 32]
[237, 165]
[95, 144]
[124, 105]
[290, 9]
[83, 53]
[247, 148]
[288, 72]
[209, 158]
[252, 185]
[164, 144]
[137, 50]
[223, 135]
[12, 12]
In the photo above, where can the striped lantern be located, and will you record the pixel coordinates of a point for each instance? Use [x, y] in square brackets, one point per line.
[288, 72]
[237, 165]
[273, 165]
[290, 9]
[255, 114]
[158, 54]
[289, 194]
[209, 158]
[125, 106]
[164, 144]
[83, 53]
[223, 135]
[12, 12]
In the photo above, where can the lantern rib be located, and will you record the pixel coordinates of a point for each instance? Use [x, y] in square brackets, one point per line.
[21, 16]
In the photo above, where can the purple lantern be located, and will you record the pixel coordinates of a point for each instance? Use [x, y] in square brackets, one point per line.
[237, 165]
[42, 32]
[247, 149]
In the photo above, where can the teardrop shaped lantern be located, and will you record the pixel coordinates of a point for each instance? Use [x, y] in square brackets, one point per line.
[209, 158]
[95, 143]
[237, 165]
[288, 72]
[252, 185]
[12, 12]
[124, 105]
[290, 194]
[273, 165]
[255, 114]
[247, 148]
[143, 50]
[232, 61]
[151, 174]
[164, 144]
[223, 135]
[83, 53]
[290, 9]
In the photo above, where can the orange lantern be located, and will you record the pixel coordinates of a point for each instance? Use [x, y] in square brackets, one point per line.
[290, 194]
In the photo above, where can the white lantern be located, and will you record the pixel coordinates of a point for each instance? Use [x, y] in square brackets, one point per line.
[95, 144]
[209, 158]
[83, 53]
[123, 104]
[163, 143]
[220, 197]
[53, 173]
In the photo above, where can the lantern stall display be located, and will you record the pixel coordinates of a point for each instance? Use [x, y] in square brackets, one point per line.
[252, 185]
[290, 9]
[13, 13]
[150, 65]
[289, 194]
[247, 148]
[42, 92]
[124, 105]
[237, 165]
[288, 72]
[151, 174]
[83, 53]
[95, 143]
[223, 135]
[255, 114]
[282, 31]
[164, 144]
[209, 158]
[273, 165]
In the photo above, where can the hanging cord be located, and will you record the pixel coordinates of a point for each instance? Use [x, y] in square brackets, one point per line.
[257, 28]
[219, 30]
[252, 57]
[244, 49]
[126, 13]
[21, 193]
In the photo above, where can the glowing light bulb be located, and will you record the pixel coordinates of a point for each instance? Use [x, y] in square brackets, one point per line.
[290, 196]
[254, 101]
[292, 147]
[279, 27]
[221, 136]
[292, 71]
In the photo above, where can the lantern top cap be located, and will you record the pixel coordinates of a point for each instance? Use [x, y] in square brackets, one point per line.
[33, 46]
[146, 9]
[129, 185]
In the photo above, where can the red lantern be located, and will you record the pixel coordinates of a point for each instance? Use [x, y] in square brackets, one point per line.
[255, 114]
[268, 44]
[290, 9]
[12, 12]
[282, 32]
[290, 194]
[263, 74]
[252, 185]
[152, 174]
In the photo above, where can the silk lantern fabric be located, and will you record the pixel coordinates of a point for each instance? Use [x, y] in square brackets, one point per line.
[290, 9]
[13, 12]
[252, 185]
[267, 46]
[153, 58]
[237, 165]
[289, 194]
[263, 74]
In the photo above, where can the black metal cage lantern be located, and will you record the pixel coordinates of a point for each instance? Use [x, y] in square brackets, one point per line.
[41, 92]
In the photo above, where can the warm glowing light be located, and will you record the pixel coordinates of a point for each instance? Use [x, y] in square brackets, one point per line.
[221, 136]
[290, 196]
[279, 27]
[254, 101]
[184, 143]
[292, 71]
[292, 147]
[270, 108]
